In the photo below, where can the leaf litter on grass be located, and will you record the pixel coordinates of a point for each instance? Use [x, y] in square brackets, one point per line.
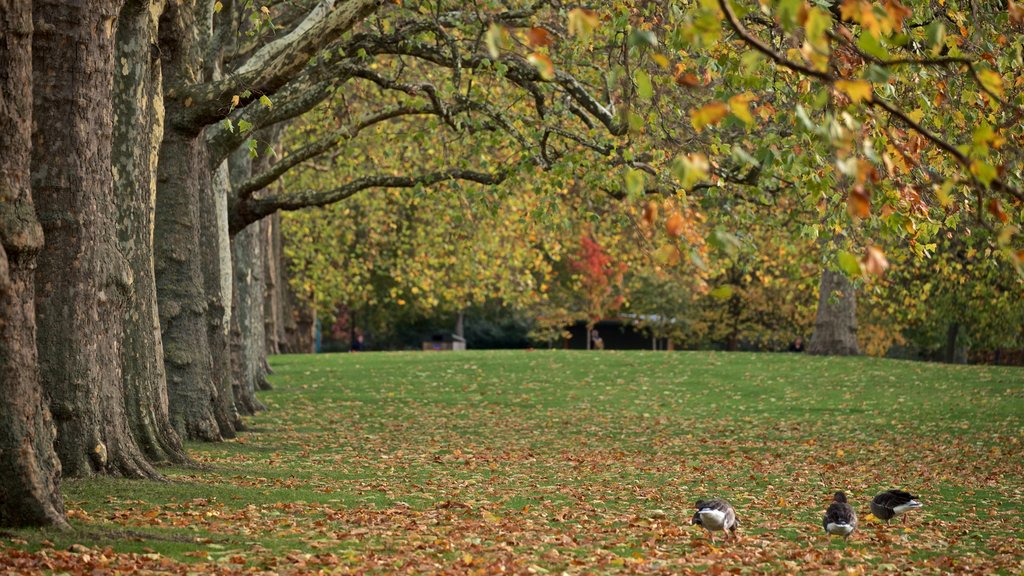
[555, 462]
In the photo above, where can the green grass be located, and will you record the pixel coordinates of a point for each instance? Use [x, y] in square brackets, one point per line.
[582, 462]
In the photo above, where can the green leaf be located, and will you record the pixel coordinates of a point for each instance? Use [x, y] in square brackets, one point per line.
[244, 125]
[266, 101]
[644, 88]
[849, 264]
[634, 183]
[935, 36]
[642, 39]
[723, 292]
[725, 241]
[872, 46]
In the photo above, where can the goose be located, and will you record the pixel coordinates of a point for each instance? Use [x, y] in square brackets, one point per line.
[840, 519]
[716, 514]
[892, 503]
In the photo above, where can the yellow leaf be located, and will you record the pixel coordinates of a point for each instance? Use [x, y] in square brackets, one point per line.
[495, 39]
[857, 90]
[234, 100]
[738, 105]
[582, 22]
[708, 114]
[660, 60]
[991, 81]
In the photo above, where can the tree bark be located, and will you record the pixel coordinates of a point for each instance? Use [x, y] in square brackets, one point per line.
[183, 177]
[84, 282]
[273, 311]
[30, 483]
[247, 332]
[138, 129]
[217, 271]
[835, 328]
[955, 351]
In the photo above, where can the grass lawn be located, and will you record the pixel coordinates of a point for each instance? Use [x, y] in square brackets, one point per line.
[555, 461]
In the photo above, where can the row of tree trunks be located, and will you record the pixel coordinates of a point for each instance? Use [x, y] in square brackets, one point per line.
[30, 483]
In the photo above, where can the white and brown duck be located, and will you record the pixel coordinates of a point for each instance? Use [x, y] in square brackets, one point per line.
[892, 503]
[716, 515]
[840, 518]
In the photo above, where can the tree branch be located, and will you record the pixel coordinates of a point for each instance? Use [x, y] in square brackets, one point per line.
[255, 209]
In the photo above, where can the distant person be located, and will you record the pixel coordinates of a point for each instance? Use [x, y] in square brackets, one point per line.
[357, 343]
[797, 345]
[595, 340]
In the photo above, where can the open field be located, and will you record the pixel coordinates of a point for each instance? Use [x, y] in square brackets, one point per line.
[553, 461]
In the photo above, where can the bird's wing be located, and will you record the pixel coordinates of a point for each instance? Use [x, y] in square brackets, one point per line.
[893, 498]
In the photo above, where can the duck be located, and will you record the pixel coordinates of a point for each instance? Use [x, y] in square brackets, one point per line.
[840, 518]
[716, 514]
[892, 503]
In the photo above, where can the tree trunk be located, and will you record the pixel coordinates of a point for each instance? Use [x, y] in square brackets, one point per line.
[84, 282]
[274, 299]
[183, 177]
[299, 320]
[247, 333]
[835, 328]
[956, 349]
[30, 483]
[138, 128]
[217, 282]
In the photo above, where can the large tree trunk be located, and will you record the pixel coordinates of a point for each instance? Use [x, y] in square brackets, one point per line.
[835, 328]
[84, 282]
[183, 178]
[138, 129]
[30, 482]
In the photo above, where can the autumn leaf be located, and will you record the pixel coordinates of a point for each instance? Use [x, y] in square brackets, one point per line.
[582, 22]
[667, 255]
[874, 261]
[684, 78]
[897, 12]
[675, 224]
[739, 106]
[543, 65]
[991, 81]
[650, 213]
[857, 90]
[858, 202]
[496, 39]
[995, 208]
[538, 37]
[1016, 12]
[708, 115]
